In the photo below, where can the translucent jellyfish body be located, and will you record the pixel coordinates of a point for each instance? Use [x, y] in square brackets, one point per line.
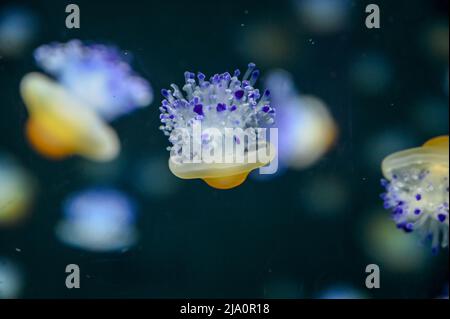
[306, 128]
[91, 85]
[101, 220]
[417, 189]
[212, 121]
[16, 192]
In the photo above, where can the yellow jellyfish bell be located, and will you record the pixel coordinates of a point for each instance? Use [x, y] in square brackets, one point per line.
[60, 125]
[434, 154]
[223, 175]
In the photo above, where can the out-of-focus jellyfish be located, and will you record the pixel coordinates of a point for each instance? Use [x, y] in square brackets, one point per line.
[69, 113]
[16, 192]
[306, 128]
[11, 279]
[323, 16]
[342, 291]
[99, 220]
[417, 189]
[371, 73]
[18, 29]
[216, 128]
[390, 249]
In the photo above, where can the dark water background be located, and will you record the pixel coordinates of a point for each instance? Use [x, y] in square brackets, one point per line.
[258, 240]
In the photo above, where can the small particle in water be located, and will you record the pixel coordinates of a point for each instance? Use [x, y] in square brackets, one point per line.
[18, 250]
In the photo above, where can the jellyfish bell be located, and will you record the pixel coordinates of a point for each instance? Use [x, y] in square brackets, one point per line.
[224, 175]
[417, 189]
[440, 142]
[433, 154]
[60, 125]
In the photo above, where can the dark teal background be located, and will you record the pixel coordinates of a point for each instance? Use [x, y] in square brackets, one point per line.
[201, 242]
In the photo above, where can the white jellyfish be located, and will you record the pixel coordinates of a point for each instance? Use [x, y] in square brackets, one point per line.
[100, 220]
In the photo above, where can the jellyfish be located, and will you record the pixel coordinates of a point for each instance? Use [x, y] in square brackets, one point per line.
[11, 279]
[98, 219]
[211, 120]
[307, 130]
[70, 110]
[417, 190]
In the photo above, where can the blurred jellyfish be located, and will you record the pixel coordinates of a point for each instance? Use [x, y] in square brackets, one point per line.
[18, 29]
[16, 192]
[389, 248]
[11, 279]
[341, 291]
[417, 189]
[323, 16]
[99, 220]
[94, 85]
[371, 73]
[214, 119]
[306, 128]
